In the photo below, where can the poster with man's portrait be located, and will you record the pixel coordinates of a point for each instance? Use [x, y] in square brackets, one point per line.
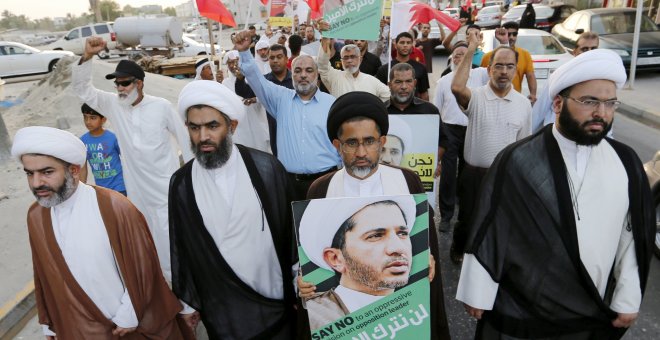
[412, 143]
[368, 258]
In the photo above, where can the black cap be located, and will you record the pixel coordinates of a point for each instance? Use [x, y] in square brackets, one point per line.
[200, 62]
[354, 104]
[127, 68]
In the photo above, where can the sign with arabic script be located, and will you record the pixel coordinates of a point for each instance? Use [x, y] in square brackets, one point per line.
[412, 143]
[353, 19]
[368, 259]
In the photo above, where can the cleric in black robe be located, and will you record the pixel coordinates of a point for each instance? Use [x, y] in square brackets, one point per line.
[561, 242]
[230, 226]
[363, 114]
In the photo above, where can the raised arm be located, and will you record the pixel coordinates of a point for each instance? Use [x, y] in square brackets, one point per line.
[459, 83]
[81, 80]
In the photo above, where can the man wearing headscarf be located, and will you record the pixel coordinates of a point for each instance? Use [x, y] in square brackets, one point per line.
[230, 225]
[96, 272]
[561, 241]
[203, 71]
[144, 126]
[358, 125]
[261, 56]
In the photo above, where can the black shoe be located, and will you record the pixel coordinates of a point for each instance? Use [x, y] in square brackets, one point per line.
[445, 226]
[455, 256]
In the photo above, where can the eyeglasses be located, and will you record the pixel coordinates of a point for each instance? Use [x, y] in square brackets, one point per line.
[369, 143]
[501, 67]
[124, 83]
[349, 57]
[594, 104]
[513, 34]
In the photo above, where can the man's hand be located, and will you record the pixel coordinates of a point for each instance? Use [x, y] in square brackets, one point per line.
[502, 35]
[326, 44]
[50, 337]
[191, 319]
[242, 41]
[532, 99]
[474, 312]
[438, 170]
[473, 40]
[93, 45]
[122, 331]
[249, 101]
[305, 289]
[431, 268]
[624, 320]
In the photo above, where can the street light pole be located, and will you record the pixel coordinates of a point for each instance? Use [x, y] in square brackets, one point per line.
[635, 47]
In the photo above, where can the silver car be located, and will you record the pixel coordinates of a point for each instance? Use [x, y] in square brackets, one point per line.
[489, 17]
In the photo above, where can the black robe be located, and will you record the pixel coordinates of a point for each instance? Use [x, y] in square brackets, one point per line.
[439, 326]
[524, 234]
[229, 308]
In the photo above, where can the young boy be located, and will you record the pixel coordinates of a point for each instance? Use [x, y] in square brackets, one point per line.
[102, 152]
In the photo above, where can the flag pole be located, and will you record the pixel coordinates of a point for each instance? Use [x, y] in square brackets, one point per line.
[249, 14]
[389, 41]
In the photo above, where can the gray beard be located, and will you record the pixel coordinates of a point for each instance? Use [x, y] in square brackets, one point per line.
[362, 171]
[60, 194]
[216, 159]
[352, 70]
[305, 89]
[401, 99]
[129, 99]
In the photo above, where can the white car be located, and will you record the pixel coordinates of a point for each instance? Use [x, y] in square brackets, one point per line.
[17, 59]
[547, 52]
[74, 40]
[193, 48]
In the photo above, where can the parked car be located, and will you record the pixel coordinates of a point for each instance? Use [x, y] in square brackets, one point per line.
[653, 173]
[489, 17]
[615, 27]
[546, 16]
[17, 59]
[74, 40]
[452, 12]
[192, 48]
[547, 52]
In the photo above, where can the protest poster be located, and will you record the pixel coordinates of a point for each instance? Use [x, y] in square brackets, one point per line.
[368, 258]
[353, 19]
[412, 143]
[278, 17]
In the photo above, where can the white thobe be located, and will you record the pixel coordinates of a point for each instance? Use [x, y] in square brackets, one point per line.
[600, 185]
[149, 158]
[233, 215]
[385, 181]
[252, 131]
[341, 82]
[264, 66]
[84, 242]
[354, 300]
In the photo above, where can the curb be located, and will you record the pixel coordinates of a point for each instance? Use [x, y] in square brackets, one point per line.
[635, 112]
[17, 312]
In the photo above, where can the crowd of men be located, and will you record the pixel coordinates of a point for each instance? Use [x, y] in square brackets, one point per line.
[554, 222]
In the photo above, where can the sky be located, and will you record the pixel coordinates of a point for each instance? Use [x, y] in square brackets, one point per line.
[59, 8]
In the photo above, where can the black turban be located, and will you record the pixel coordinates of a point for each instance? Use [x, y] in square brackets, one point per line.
[354, 104]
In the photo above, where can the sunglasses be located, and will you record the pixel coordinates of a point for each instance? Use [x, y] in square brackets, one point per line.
[513, 34]
[124, 83]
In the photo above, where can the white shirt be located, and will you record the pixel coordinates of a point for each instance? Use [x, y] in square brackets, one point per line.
[341, 82]
[602, 195]
[494, 123]
[370, 186]
[149, 158]
[83, 240]
[354, 300]
[445, 100]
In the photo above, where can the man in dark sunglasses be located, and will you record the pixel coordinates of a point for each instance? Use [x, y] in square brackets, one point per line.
[143, 125]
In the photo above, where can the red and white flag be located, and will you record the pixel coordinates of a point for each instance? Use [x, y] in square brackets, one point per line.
[215, 10]
[316, 7]
[406, 14]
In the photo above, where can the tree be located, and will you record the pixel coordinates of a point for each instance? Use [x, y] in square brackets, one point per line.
[109, 10]
[129, 10]
[170, 11]
[96, 9]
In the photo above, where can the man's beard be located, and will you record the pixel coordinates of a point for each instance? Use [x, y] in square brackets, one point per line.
[403, 99]
[60, 194]
[352, 70]
[368, 275]
[575, 131]
[217, 158]
[362, 171]
[305, 89]
[128, 99]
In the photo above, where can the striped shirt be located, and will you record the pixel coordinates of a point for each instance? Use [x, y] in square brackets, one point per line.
[494, 123]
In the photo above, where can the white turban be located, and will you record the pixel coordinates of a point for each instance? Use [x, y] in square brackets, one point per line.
[322, 219]
[261, 44]
[233, 54]
[213, 94]
[49, 141]
[591, 65]
[400, 129]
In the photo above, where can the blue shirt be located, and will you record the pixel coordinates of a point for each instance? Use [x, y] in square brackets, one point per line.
[303, 146]
[103, 157]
